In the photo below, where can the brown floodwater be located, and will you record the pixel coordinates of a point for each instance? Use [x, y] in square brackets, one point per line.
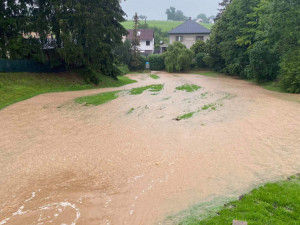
[64, 163]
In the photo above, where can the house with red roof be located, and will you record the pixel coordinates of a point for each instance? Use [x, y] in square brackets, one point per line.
[146, 37]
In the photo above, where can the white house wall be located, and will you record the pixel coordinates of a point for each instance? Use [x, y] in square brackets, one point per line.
[144, 47]
[188, 39]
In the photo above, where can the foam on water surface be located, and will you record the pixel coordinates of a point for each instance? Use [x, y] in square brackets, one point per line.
[58, 208]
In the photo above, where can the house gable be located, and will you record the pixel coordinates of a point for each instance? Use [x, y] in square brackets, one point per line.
[188, 33]
[146, 38]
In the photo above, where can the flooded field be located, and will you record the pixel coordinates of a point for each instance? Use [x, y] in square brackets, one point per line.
[141, 158]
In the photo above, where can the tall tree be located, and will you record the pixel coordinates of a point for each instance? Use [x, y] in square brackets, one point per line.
[135, 63]
[176, 15]
[223, 6]
[85, 31]
[258, 39]
[203, 17]
[171, 13]
[79, 33]
[12, 25]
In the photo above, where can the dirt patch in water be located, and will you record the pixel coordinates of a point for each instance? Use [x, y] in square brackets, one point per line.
[66, 163]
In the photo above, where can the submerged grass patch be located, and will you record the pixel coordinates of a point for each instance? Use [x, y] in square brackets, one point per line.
[152, 88]
[186, 116]
[209, 106]
[130, 111]
[109, 96]
[188, 88]
[154, 76]
[98, 99]
[273, 203]
[165, 99]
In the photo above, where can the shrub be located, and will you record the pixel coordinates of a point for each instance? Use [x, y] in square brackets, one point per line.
[122, 53]
[90, 76]
[264, 64]
[178, 57]
[156, 62]
[290, 71]
[198, 47]
[123, 69]
[139, 63]
[143, 61]
[200, 59]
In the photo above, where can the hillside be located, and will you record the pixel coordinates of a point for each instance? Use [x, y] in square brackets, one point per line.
[164, 25]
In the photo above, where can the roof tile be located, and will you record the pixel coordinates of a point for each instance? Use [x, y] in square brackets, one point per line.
[190, 27]
[146, 35]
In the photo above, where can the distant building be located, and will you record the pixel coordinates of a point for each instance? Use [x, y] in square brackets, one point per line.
[146, 37]
[188, 33]
[49, 42]
[212, 20]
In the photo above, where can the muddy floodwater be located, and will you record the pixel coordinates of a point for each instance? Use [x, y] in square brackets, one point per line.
[130, 161]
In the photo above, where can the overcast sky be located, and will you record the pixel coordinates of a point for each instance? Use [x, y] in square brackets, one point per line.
[155, 9]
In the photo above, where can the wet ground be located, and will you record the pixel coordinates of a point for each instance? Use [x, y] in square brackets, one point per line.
[130, 161]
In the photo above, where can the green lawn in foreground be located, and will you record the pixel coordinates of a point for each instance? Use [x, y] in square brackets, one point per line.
[188, 88]
[272, 204]
[166, 26]
[15, 87]
[98, 99]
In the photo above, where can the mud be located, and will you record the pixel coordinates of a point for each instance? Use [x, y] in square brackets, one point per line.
[64, 163]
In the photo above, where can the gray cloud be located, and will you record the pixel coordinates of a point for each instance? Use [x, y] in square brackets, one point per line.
[155, 9]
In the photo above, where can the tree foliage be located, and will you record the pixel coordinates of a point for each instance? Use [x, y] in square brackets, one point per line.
[156, 62]
[204, 18]
[122, 53]
[135, 62]
[199, 52]
[79, 33]
[257, 39]
[178, 58]
[13, 22]
[198, 47]
[175, 15]
[290, 71]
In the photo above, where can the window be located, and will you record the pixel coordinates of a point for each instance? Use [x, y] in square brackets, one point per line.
[199, 38]
[147, 43]
[179, 38]
[139, 33]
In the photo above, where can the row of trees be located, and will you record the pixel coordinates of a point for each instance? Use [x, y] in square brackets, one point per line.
[74, 34]
[253, 39]
[205, 18]
[258, 39]
[175, 15]
[178, 15]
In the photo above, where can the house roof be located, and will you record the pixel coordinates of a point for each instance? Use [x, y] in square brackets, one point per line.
[146, 35]
[190, 27]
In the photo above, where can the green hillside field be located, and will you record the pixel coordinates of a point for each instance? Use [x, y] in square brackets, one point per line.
[166, 26]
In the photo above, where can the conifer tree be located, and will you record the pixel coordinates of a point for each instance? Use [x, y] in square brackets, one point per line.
[135, 43]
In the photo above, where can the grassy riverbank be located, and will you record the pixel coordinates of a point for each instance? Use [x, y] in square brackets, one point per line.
[15, 87]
